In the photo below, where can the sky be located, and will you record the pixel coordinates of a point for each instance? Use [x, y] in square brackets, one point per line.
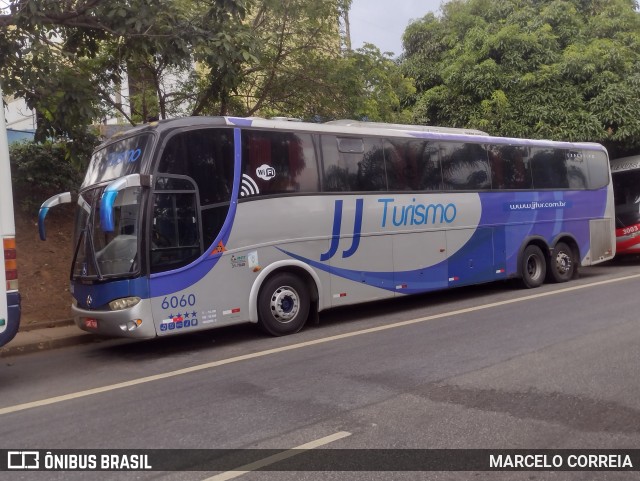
[382, 22]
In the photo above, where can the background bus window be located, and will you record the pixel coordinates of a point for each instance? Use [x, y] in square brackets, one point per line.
[412, 165]
[626, 189]
[510, 167]
[464, 166]
[353, 164]
[277, 163]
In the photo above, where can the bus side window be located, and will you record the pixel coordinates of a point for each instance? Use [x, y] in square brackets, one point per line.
[548, 168]
[412, 165]
[353, 164]
[509, 167]
[205, 155]
[598, 169]
[464, 166]
[278, 163]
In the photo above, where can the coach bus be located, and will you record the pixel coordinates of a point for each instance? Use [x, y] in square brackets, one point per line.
[626, 190]
[9, 297]
[196, 223]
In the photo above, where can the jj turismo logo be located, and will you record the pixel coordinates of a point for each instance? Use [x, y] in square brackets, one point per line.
[394, 213]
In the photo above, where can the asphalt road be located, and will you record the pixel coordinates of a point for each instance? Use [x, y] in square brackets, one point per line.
[492, 367]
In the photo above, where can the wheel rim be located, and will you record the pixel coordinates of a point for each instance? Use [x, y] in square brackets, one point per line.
[534, 267]
[563, 263]
[285, 304]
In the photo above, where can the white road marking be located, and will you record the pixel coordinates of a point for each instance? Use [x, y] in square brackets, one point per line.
[300, 345]
[247, 468]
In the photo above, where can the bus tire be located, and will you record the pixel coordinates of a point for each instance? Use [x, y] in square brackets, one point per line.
[533, 267]
[283, 304]
[562, 265]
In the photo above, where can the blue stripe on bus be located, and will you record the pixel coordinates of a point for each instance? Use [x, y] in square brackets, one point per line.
[509, 229]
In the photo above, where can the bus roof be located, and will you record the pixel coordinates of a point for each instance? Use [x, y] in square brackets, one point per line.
[625, 163]
[355, 128]
[420, 128]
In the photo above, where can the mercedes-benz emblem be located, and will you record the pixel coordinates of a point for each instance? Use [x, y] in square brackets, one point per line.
[89, 300]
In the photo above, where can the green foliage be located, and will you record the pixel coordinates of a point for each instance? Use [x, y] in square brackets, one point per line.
[68, 59]
[40, 170]
[373, 87]
[559, 69]
[71, 60]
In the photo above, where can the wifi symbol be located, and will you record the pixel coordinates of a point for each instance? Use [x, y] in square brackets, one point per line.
[249, 186]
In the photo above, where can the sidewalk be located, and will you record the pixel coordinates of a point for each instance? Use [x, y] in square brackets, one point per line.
[41, 338]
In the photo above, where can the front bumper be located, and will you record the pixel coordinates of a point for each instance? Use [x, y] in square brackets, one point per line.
[109, 323]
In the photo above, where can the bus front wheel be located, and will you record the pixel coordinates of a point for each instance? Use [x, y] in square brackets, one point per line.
[562, 266]
[283, 304]
[533, 267]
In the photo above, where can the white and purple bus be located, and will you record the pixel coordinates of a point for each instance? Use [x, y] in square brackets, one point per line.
[197, 223]
[625, 172]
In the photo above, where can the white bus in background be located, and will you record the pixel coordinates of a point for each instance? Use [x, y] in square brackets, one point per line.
[9, 297]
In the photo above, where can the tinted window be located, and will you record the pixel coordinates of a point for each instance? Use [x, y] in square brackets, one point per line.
[175, 237]
[559, 169]
[626, 190]
[358, 168]
[510, 167]
[548, 168]
[174, 183]
[277, 162]
[598, 169]
[205, 155]
[464, 166]
[412, 164]
[117, 159]
[577, 169]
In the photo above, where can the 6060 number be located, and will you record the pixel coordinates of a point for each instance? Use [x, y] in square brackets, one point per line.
[174, 302]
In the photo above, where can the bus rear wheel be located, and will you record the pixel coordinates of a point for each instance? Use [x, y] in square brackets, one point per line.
[283, 304]
[533, 267]
[562, 266]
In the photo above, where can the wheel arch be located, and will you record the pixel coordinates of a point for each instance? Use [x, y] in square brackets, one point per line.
[304, 271]
[571, 241]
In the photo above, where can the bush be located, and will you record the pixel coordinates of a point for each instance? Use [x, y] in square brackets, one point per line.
[39, 171]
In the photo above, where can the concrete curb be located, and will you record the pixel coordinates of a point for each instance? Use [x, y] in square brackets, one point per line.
[27, 342]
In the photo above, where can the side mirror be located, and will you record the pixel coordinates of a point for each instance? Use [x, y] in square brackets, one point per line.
[107, 223]
[58, 199]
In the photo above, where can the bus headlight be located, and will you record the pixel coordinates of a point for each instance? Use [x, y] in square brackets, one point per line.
[123, 303]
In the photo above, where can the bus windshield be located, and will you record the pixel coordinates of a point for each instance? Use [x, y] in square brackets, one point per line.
[626, 188]
[117, 160]
[100, 254]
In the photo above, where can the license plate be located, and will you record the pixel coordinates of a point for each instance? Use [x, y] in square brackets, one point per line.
[91, 323]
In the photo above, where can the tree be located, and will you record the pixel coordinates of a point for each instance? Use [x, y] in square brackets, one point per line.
[559, 69]
[70, 60]
[67, 57]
